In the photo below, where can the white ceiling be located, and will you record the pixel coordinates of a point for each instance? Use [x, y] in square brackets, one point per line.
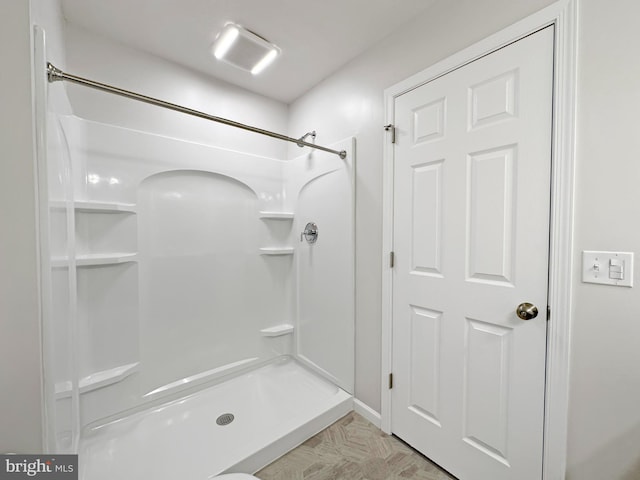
[316, 37]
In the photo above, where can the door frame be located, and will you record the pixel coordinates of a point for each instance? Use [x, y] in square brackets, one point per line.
[563, 16]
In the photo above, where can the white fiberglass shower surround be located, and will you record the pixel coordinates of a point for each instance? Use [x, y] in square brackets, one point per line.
[181, 291]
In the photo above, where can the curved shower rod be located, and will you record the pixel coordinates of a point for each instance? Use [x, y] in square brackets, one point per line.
[55, 74]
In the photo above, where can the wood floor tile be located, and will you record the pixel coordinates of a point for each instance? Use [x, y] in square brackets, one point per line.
[353, 449]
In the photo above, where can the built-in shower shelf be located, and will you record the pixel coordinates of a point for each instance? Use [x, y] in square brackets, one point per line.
[94, 259]
[277, 251]
[98, 207]
[277, 330]
[97, 380]
[105, 207]
[276, 215]
[105, 259]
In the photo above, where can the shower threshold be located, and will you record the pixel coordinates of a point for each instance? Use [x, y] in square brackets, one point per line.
[274, 408]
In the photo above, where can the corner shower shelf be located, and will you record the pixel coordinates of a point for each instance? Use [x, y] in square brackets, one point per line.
[277, 330]
[276, 215]
[277, 251]
[97, 380]
[98, 207]
[93, 259]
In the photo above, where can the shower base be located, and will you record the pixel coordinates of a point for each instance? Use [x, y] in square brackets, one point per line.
[274, 408]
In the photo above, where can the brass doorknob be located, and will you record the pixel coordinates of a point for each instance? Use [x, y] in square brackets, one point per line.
[527, 311]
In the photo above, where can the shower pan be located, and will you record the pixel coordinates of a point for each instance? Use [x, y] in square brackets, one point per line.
[188, 331]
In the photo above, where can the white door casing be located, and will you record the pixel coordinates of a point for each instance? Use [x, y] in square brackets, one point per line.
[471, 236]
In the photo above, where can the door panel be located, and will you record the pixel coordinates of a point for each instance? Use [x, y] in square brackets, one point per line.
[426, 235]
[424, 372]
[490, 221]
[471, 230]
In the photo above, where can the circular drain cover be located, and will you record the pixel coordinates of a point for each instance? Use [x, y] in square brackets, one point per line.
[225, 419]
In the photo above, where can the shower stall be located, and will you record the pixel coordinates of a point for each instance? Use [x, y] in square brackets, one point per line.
[199, 313]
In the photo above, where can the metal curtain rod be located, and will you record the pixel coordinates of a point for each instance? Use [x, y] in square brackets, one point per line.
[55, 74]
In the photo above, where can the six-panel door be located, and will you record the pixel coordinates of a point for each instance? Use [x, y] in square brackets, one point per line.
[471, 233]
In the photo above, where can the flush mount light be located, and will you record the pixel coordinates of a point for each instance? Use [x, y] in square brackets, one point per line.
[244, 49]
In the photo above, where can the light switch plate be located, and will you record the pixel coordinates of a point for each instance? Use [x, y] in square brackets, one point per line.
[606, 268]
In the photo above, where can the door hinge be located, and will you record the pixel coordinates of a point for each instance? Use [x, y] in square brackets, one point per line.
[390, 381]
[392, 259]
[548, 313]
[392, 129]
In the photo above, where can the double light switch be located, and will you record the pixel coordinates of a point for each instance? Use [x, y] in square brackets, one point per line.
[608, 268]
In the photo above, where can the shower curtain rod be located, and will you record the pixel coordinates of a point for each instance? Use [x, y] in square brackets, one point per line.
[55, 74]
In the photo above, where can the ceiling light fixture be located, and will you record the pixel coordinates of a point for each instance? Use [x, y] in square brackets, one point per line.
[244, 49]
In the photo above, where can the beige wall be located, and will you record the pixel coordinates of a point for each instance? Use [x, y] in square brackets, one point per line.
[20, 358]
[604, 415]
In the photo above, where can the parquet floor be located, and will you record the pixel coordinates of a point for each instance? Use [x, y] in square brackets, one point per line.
[352, 449]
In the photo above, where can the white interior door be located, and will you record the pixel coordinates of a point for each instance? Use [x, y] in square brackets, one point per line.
[472, 167]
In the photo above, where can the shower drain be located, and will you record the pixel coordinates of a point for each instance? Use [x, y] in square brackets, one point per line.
[225, 419]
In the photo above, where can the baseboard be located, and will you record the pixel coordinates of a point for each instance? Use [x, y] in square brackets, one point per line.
[367, 412]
